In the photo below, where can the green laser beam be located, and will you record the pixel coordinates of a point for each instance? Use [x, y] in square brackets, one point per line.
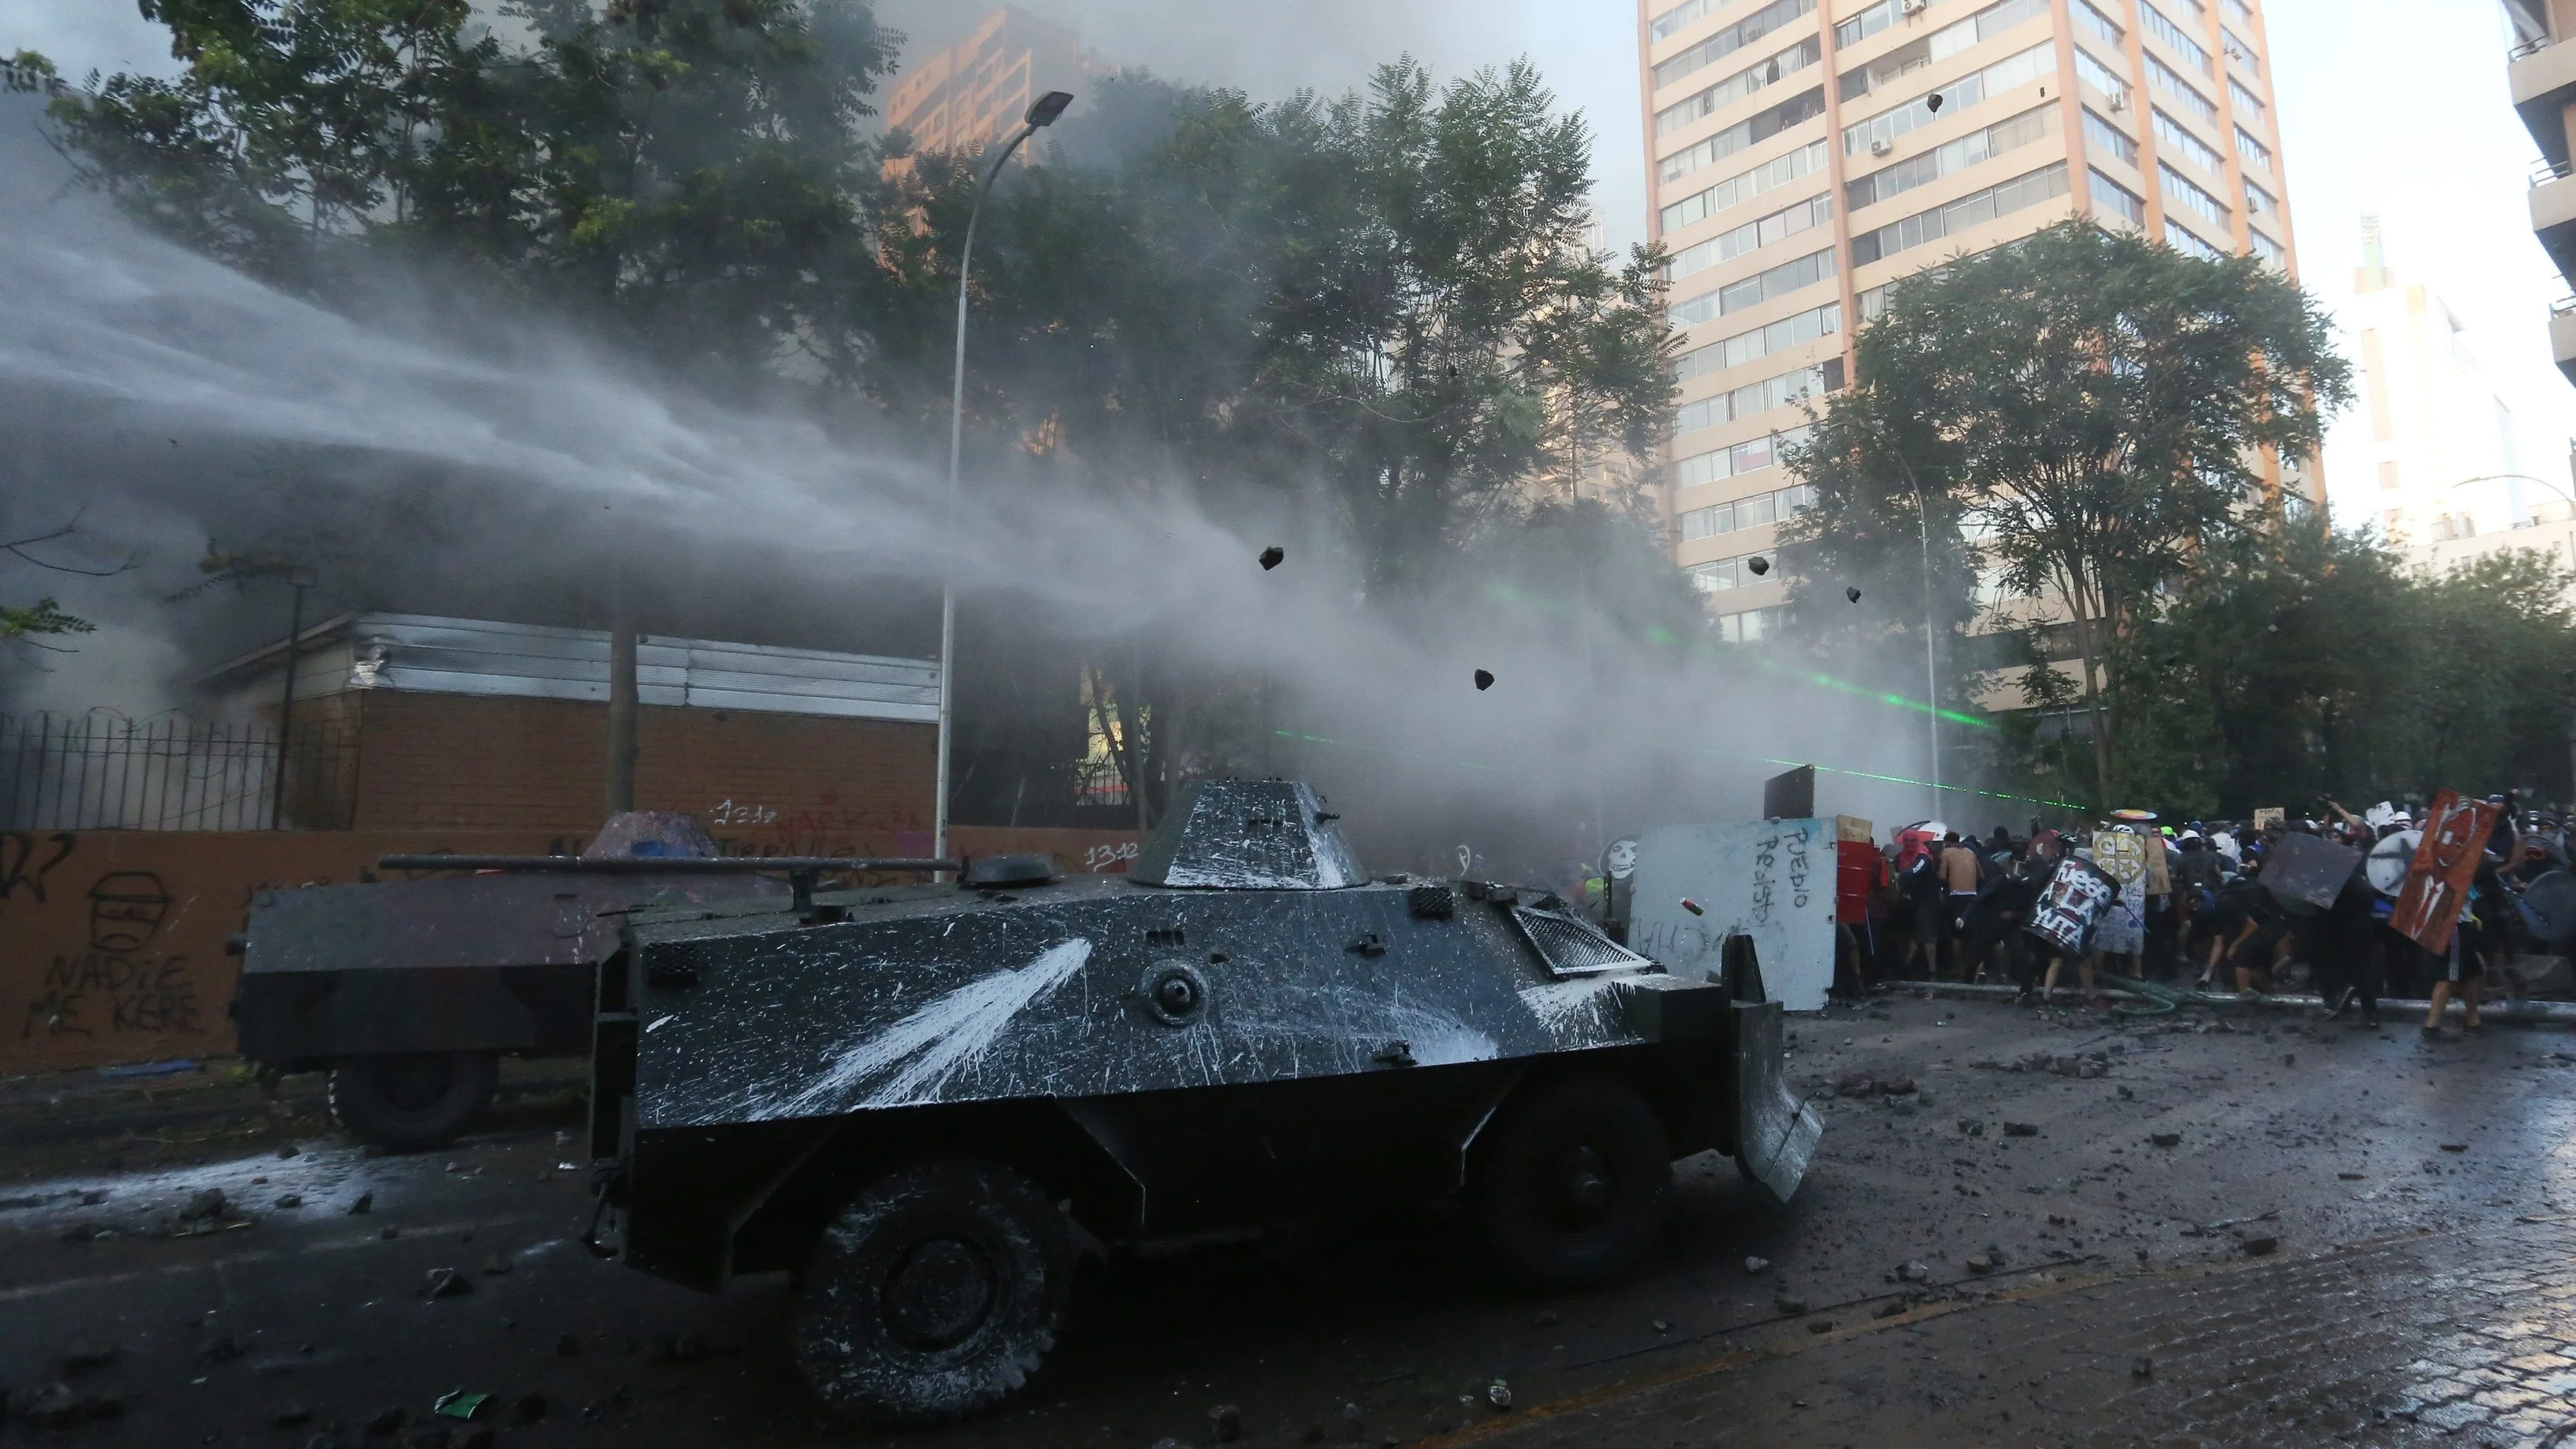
[1696, 749]
[1819, 678]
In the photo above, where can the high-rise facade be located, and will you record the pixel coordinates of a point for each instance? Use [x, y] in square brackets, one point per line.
[2542, 72]
[1804, 154]
[974, 93]
[2441, 440]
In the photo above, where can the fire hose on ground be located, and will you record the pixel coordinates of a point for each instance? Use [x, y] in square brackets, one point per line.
[2135, 993]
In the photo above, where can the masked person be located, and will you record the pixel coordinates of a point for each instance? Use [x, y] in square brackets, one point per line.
[2343, 945]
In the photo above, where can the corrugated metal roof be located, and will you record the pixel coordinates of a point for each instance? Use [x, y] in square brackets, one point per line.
[426, 654]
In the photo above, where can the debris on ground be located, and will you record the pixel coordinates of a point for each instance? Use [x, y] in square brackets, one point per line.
[59, 1406]
[365, 1203]
[2021, 1129]
[459, 1404]
[1499, 1394]
[1756, 1267]
[445, 1283]
[1225, 1422]
[2165, 1139]
[202, 1205]
[1790, 1303]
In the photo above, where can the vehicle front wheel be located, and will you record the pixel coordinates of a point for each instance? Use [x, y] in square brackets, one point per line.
[1571, 1182]
[412, 1100]
[935, 1294]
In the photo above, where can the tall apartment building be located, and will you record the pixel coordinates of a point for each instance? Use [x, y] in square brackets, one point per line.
[2542, 71]
[2441, 440]
[1804, 154]
[974, 93]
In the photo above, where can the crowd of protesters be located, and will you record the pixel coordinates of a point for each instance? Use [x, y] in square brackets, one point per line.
[1959, 907]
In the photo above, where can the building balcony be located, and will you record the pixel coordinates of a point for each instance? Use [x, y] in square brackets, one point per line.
[2553, 215]
[2543, 77]
[2562, 335]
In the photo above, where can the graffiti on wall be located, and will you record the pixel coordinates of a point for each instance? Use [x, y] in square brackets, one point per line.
[121, 978]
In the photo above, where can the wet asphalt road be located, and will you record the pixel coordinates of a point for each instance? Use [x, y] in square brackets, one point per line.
[2414, 1293]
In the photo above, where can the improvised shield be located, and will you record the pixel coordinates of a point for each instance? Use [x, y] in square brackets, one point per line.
[1775, 1133]
[2552, 899]
[2310, 869]
[2437, 881]
[2389, 860]
[2074, 900]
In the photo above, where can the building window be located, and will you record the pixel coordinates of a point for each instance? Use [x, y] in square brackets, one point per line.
[2269, 250]
[2185, 94]
[2118, 201]
[2240, 50]
[1726, 573]
[1751, 626]
[2186, 241]
[2099, 76]
[1710, 150]
[1756, 398]
[1971, 210]
[1736, 190]
[1725, 42]
[2003, 75]
[2259, 202]
[1739, 85]
[1750, 456]
[2199, 152]
[2254, 152]
[1744, 347]
[1750, 291]
[2102, 136]
[1866, 24]
[1940, 45]
[1752, 236]
[1744, 513]
[2243, 10]
[1959, 155]
[2174, 36]
[2181, 188]
[2090, 16]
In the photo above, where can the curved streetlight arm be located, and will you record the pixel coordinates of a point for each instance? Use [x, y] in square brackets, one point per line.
[1041, 114]
[2560, 488]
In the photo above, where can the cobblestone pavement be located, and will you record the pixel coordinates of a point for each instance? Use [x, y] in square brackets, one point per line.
[2464, 1337]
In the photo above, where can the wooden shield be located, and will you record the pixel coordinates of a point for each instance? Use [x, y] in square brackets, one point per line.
[2455, 840]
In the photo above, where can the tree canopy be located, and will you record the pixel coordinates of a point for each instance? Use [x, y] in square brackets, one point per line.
[2086, 415]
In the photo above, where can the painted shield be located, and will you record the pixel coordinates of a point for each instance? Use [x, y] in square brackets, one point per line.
[2389, 861]
[2437, 881]
[2122, 929]
[2309, 869]
[2074, 900]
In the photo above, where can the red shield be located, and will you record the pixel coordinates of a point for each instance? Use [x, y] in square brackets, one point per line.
[2455, 840]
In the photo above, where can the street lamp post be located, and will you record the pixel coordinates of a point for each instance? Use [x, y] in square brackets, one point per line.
[1931, 669]
[1041, 113]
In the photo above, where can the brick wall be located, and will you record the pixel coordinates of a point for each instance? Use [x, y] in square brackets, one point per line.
[796, 784]
[461, 762]
[769, 783]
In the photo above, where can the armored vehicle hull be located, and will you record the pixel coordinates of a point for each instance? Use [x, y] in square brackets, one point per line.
[924, 1099]
[409, 992]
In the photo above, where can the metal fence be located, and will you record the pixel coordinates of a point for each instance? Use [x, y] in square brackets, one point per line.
[102, 771]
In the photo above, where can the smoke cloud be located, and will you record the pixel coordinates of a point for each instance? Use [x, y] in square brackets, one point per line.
[166, 399]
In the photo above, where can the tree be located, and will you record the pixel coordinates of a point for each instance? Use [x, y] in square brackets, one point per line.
[691, 176]
[2092, 411]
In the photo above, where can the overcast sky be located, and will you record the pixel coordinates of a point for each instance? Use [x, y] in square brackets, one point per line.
[2392, 106]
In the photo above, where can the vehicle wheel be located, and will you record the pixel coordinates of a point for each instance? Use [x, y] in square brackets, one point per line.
[934, 1294]
[1571, 1182]
[412, 1100]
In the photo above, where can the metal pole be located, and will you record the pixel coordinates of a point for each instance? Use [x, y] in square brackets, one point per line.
[948, 560]
[1931, 669]
[286, 710]
[622, 704]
